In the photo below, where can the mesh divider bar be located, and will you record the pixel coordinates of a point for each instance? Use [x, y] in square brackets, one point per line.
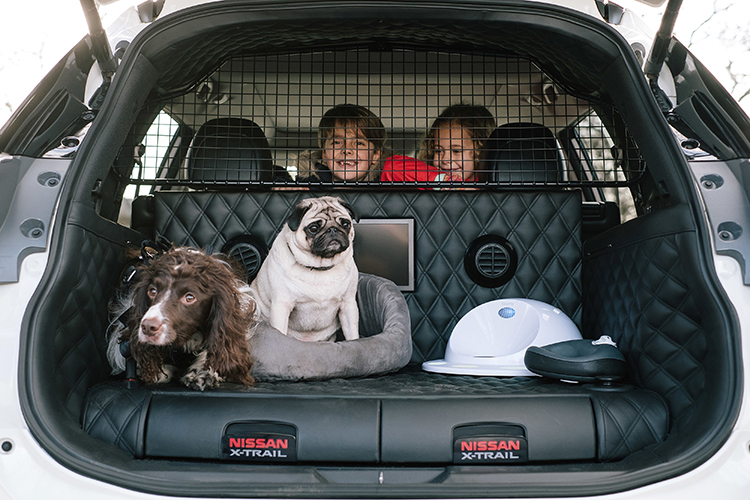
[396, 118]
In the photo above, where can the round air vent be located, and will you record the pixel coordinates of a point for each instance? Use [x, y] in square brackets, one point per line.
[249, 251]
[490, 261]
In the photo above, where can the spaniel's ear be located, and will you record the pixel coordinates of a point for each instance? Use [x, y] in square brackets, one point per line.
[226, 345]
[148, 358]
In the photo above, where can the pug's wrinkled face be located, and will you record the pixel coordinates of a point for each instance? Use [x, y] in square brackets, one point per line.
[328, 233]
[323, 226]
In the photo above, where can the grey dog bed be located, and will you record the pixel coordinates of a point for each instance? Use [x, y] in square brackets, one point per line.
[384, 344]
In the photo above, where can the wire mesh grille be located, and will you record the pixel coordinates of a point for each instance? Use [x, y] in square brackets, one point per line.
[398, 117]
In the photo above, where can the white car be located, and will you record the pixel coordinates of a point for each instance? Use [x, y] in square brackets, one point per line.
[583, 175]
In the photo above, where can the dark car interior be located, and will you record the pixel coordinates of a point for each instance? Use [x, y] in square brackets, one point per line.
[199, 143]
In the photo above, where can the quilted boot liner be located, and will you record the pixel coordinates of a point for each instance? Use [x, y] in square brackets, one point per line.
[406, 417]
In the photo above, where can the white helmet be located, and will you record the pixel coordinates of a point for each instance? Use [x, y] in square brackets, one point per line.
[492, 338]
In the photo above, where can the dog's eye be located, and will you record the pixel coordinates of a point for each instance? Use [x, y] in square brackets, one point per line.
[188, 298]
[345, 223]
[313, 228]
[151, 292]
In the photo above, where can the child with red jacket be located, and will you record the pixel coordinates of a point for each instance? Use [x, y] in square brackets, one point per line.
[451, 152]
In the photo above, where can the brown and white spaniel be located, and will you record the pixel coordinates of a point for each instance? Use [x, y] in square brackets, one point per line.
[184, 301]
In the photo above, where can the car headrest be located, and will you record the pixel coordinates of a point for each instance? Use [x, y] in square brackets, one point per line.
[230, 149]
[523, 153]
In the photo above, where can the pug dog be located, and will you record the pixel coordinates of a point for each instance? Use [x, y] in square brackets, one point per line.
[307, 286]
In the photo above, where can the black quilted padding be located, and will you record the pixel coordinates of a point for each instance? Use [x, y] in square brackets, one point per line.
[625, 419]
[628, 421]
[543, 227]
[640, 295]
[65, 342]
[117, 415]
[79, 318]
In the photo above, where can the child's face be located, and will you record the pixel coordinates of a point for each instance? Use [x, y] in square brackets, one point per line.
[454, 151]
[348, 154]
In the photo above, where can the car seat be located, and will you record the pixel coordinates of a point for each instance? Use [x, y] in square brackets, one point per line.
[523, 153]
[230, 150]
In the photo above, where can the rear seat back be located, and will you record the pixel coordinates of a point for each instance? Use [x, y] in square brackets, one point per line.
[229, 150]
[541, 228]
[523, 153]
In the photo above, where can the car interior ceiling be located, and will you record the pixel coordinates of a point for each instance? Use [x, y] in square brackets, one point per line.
[635, 281]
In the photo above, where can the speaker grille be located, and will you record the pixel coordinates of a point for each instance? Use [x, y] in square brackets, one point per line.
[249, 257]
[249, 251]
[492, 260]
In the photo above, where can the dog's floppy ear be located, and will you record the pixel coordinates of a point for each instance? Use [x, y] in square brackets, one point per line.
[349, 209]
[228, 352]
[148, 358]
[295, 218]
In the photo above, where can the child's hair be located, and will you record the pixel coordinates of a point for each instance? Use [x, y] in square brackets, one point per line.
[476, 120]
[352, 116]
[355, 117]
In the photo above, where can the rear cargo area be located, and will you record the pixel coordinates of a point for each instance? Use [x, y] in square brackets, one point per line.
[585, 204]
[377, 420]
